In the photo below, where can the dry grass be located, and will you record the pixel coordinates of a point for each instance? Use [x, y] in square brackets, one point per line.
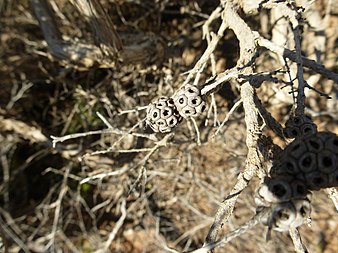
[128, 189]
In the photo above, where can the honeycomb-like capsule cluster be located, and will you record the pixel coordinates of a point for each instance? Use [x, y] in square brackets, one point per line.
[297, 126]
[308, 163]
[285, 215]
[162, 115]
[312, 160]
[280, 189]
[189, 102]
[288, 200]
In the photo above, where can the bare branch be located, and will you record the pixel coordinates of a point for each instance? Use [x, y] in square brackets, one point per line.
[120, 171]
[219, 80]
[232, 235]
[209, 50]
[293, 57]
[293, 16]
[297, 241]
[270, 121]
[226, 119]
[104, 131]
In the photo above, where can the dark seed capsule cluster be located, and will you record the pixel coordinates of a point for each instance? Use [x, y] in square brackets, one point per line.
[189, 102]
[298, 126]
[162, 115]
[306, 164]
[312, 160]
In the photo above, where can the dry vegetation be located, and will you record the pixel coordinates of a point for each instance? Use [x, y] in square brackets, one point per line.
[87, 72]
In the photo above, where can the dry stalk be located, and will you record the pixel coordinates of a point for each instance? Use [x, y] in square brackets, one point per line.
[232, 235]
[227, 117]
[293, 15]
[10, 229]
[79, 54]
[58, 211]
[120, 171]
[104, 32]
[287, 53]
[297, 241]
[56, 139]
[27, 132]
[215, 38]
[269, 120]
[117, 227]
[6, 153]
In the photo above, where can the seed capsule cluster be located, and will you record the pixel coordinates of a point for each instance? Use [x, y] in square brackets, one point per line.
[189, 101]
[312, 160]
[289, 202]
[162, 115]
[165, 113]
[298, 126]
[306, 164]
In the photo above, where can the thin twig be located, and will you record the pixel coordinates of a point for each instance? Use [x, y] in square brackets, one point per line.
[320, 93]
[333, 194]
[105, 121]
[232, 235]
[111, 148]
[311, 64]
[212, 108]
[5, 226]
[58, 210]
[269, 120]
[58, 172]
[135, 110]
[300, 73]
[227, 117]
[297, 241]
[213, 16]
[104, 131]
[198, 135]
[100, 176]
[208, 51]
[117, 227]
[16, 94]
